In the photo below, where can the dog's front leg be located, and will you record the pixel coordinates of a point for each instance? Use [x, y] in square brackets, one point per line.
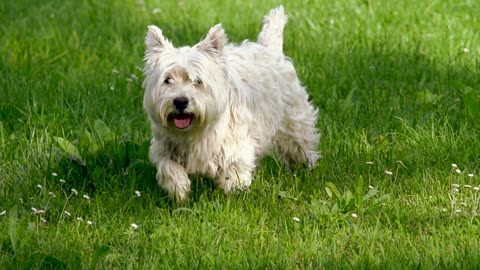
[234, 178]
[173, 178]
[237, 173]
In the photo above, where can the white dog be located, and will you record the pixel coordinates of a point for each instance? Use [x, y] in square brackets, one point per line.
[216, 108]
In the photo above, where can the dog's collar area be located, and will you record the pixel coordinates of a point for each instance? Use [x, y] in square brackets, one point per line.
[182, 120]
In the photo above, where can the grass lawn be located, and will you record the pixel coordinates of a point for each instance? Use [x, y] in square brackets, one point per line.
[397, 84]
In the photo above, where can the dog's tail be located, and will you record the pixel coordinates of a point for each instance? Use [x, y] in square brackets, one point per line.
[271, 35]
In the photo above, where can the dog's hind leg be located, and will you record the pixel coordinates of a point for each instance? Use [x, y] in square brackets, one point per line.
[296, 143]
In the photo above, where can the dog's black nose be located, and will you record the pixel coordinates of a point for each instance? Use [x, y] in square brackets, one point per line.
[180, 103]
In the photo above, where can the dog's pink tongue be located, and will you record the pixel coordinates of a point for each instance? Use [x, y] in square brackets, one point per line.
[182, 120]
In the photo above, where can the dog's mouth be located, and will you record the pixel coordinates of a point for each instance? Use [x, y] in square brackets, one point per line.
[182, 120]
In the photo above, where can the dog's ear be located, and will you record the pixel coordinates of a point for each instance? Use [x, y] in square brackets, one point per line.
[215, 40]
[155, 39]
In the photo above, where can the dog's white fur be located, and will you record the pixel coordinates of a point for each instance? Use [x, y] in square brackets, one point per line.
[242, 102]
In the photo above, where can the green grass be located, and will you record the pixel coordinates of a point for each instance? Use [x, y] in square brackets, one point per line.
[397, 84]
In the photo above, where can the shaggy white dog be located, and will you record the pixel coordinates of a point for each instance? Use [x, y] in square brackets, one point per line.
[216, 108]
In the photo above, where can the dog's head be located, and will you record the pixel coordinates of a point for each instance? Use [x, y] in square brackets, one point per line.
[184, 87]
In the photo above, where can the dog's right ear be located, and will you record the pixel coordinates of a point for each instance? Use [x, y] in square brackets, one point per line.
[155, 39]
[214, 41]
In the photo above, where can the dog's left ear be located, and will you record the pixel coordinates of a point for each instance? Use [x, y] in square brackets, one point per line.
[215, 40]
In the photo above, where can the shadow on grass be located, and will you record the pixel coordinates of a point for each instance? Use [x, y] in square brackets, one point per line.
[102, 162]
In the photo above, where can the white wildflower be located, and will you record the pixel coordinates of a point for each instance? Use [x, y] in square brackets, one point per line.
[458, 171]
[466, 50]
[89, 222]
[458, 211]
[138, 193]
[61, 181]
[388, 172]
[470, 175]
[455, 190]
[134, 226]
[39, 186]
[79, 218]
[43, 220]
[156, 10]
[467, 186]
[37, 211]
[454, 165]
[115, 71]
[354, 215]
[74, 191]
[455, 185]
[54, 174]
[67, 213]
[3, 212]
[52, 194]
[370, 162]
[476, 188]
[370, 187]
[86, 196]
[296, 219]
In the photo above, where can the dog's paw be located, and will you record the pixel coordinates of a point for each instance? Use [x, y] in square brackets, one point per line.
[178, 190]
[174, 180]
[239, 182]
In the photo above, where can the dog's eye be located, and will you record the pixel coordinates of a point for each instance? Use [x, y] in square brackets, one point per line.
[167, 80]
[198, 82]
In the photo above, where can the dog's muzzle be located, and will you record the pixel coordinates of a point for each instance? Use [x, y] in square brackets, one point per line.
[181, 119]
